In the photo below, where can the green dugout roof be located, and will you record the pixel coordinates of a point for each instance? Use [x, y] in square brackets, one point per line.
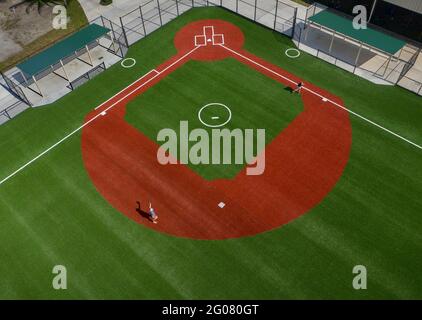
[369, 36]
[61, 50]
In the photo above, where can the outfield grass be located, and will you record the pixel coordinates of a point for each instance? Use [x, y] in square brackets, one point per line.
[50, 213]
[256, 102]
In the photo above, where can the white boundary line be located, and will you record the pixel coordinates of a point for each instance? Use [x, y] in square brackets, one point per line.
[153, 70]
[329, 100]
[205, 34]
[99, 114]
[218, 44]
[207, 27]
[196, 41]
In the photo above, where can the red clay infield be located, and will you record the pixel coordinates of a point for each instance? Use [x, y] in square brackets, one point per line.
[303, 163]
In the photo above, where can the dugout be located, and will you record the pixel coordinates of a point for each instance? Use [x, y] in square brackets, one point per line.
[54, 69]
[372, 52]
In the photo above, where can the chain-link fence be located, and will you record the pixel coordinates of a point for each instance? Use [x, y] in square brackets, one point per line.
[87, 76]
[12, 111]
[13, 100]
[15, 89]
[153, 14]
[114, 41]
[356, 56]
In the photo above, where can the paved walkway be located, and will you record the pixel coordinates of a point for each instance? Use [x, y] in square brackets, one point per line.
[114, 11]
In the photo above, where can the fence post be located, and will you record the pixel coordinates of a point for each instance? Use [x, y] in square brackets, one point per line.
[114, 37]
[24, 97]
[159, 12]
[177, 7]
[306, 20]
[221, 3]
[124, 32]
[300, 38]
[254, 14]
[237, 6]
[19, 92]
[275, 13]
[294, 24]
[357, 57]
[193, 4]
[142, 18]
[2, 75]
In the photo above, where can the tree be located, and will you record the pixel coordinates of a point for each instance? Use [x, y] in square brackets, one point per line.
[39, 4]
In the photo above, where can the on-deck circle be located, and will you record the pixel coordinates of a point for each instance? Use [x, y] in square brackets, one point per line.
[293, 56]
[130, 65]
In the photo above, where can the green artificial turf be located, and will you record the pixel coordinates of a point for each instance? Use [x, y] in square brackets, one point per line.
[50, 213]
[255, 101]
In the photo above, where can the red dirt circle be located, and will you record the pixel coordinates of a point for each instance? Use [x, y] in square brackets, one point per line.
[303, 163]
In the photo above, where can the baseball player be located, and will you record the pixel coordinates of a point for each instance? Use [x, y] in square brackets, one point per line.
[152, 215]
[298, 87]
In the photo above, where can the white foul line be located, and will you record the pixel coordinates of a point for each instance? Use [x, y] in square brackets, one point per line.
[153, 70]
[100, 114]
[329, 100]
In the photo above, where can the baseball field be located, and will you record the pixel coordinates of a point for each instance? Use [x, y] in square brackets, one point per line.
[341, 185]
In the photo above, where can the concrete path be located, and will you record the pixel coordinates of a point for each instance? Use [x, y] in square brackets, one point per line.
[114, 11]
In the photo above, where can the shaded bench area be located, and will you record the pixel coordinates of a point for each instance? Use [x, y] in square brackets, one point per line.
[62, 67]
[372, 53]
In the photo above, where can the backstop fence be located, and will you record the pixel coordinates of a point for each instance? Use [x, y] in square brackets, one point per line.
[153, 14]
[117, 43]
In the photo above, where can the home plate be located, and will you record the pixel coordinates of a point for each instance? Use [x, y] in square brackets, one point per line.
[221, 205]
[209, 40]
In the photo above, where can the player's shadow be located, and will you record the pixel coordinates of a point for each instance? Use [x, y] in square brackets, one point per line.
[142, 213]
[288, 89]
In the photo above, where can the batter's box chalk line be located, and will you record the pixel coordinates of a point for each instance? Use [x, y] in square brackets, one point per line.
[214, 39]
[200, 41]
